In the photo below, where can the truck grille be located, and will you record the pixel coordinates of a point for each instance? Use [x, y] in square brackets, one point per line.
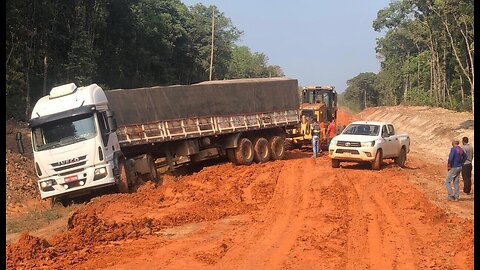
[69, 163]
[348, 144]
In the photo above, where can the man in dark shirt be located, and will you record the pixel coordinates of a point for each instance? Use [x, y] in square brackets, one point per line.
[467, 166]
[456, 158]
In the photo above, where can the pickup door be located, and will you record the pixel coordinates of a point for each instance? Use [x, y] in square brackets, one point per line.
[391, 146]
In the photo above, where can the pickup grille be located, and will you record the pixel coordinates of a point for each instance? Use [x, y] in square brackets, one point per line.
[353, 152]
[348, 144]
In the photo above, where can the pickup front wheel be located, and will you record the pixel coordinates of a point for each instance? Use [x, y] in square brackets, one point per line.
[402, 157]
[377, 163]
[335, 163]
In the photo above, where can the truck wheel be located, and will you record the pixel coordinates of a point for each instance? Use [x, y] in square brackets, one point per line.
[335, 163]
[400, 160]
[63, 201]
[153, 174]
[231, 155]
[277, 148]
[244, 152]
[377, 163]
[288, 145]
[261, 150]
[122, 184]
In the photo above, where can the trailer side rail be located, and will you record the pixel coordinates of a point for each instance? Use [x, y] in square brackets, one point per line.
[202, 126]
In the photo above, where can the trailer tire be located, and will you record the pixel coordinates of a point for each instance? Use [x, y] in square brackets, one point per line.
[277, 148]
[377, 163]
[262, 150]
[122, 185]
[231, 155]
[153, 174]
[244, 152]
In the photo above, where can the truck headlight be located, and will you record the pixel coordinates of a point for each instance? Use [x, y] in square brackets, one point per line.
[47, 183]
[100, 173]
[333, 142]
[368, 144]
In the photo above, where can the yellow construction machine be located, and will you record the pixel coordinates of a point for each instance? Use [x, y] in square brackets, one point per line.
[317, 103]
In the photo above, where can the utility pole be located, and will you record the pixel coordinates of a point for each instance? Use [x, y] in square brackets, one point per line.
[365, 93]
[213, 32]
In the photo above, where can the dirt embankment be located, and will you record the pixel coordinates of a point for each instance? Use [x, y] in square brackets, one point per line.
[431, 130]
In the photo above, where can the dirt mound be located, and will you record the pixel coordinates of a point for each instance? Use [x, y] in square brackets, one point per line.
[29, 248]
[431, 129]
[210, 194]
[21, 179]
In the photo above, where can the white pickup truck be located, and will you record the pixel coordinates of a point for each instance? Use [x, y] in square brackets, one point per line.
[369, 142]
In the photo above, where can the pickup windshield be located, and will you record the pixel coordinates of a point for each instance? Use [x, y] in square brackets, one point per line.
[362, 129]
[63, 132]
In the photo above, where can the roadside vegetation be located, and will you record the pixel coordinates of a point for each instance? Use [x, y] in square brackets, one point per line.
[118, 44]
[426, 57]
[37, 217]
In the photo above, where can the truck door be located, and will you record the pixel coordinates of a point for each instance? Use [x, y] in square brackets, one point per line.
[388, 144]
[395, 146]
[109, 138]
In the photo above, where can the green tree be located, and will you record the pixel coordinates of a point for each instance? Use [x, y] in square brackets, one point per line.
[427, 53]
[225, 36]
[361, 92]
[116, 44]
[245, 64]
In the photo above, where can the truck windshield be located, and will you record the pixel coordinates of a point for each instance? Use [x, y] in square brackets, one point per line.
[362, 129]
[63, 132]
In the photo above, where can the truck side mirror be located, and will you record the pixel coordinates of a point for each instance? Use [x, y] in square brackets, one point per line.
[112, 122]
[18, 137]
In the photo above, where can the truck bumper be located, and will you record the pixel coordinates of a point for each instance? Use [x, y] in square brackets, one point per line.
[352, 153]
[77, 183]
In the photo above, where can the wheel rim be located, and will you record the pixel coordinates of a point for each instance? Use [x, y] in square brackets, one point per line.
[278, 148]
[247, 150]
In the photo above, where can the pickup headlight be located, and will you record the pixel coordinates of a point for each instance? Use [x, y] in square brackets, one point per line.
[100, 173]
[333, 142]
[368, 144]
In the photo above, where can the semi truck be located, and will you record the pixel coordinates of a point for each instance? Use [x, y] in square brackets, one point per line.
[85, 138]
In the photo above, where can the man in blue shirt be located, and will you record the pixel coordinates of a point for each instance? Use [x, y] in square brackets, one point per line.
[456, 158]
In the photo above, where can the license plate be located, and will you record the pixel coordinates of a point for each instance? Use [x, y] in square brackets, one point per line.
[71, 178]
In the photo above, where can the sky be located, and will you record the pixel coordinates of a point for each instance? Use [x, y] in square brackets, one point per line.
[318, 42]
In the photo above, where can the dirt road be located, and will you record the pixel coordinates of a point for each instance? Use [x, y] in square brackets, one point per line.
[297, 213]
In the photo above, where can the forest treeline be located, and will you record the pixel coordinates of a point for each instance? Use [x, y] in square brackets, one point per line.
[426, 55]
[118, 44]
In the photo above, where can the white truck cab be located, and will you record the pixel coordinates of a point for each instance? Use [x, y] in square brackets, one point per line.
[371, 142]
[73, 141]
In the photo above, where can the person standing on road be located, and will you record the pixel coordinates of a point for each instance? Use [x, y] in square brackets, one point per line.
[315, 137]
[331, 131]
[322, 132]
[467, 166]
[456, 158]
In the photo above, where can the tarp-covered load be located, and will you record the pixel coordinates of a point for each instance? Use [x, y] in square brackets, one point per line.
[212, 98]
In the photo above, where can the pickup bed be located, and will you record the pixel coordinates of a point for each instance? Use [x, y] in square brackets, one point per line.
[369, 142]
